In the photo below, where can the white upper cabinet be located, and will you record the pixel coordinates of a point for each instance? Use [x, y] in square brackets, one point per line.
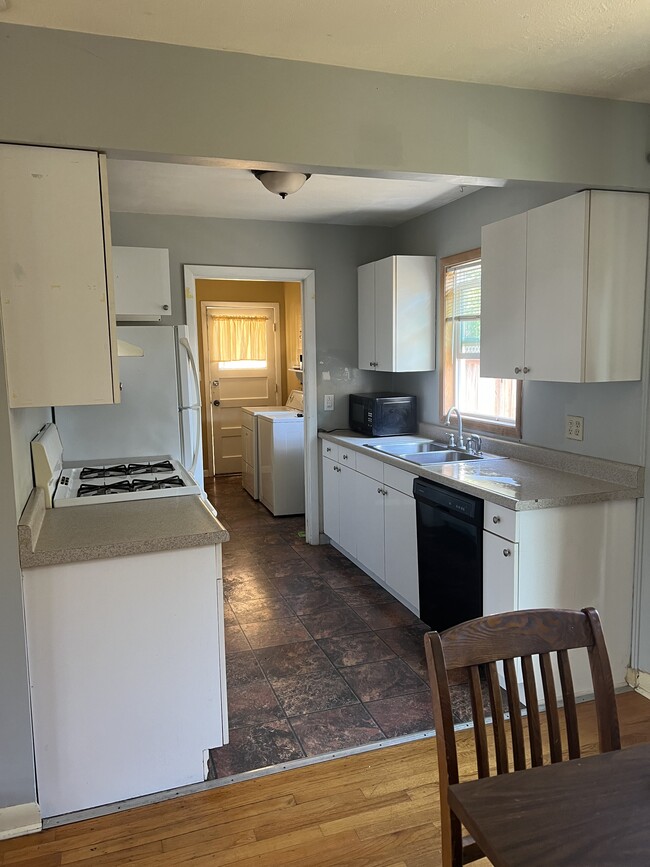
[563, 289]
[142, 284]
[397, 314]
[55, 278]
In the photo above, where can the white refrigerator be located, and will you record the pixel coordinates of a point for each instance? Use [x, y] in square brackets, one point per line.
[160, 409]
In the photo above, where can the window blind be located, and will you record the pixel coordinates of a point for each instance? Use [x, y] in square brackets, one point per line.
[463, 290]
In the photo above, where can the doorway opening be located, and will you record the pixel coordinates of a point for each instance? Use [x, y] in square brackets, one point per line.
[233, 334]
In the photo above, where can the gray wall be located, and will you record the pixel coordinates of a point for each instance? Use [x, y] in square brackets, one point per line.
[16, 754]
[613, 411]
[74, 89]
[334, 252]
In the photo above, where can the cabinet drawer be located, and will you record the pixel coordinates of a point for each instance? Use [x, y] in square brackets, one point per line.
[370, 467]
[347, 457]
[399, 479]
[330, 450]
[501, 521]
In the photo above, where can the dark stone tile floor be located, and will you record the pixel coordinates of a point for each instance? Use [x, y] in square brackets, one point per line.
[319, 657]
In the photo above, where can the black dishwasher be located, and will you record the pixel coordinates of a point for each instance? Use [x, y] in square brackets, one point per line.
[450, 554]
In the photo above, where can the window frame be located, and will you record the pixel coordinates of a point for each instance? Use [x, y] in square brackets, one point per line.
[471, 423]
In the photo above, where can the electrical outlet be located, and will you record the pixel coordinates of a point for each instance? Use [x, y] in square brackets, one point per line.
[329, 402]
[575, 427]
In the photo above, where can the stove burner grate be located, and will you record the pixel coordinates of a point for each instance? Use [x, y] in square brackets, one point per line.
[155, 467]
[157, 484]
[103, 472]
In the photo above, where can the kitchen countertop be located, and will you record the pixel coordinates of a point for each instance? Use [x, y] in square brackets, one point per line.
[514, 484]
[77, 533]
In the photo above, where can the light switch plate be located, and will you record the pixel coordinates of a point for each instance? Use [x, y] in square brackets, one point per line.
[329, 402]
[575, 425]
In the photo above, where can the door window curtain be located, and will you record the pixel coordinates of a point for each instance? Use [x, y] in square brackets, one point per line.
[238, 338]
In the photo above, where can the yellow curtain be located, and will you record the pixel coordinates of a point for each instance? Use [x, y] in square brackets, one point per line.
[238, 338]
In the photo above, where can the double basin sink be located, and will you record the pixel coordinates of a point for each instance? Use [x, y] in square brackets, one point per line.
[428, 452]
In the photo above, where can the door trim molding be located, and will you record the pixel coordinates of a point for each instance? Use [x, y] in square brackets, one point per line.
[307, 279]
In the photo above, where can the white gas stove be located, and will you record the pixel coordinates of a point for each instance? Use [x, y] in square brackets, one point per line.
[112, 480]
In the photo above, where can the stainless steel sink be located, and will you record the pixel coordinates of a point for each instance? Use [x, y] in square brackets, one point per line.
[428, 452]
[402, 449]
[448, 456]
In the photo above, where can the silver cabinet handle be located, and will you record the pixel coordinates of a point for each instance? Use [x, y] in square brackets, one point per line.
[379, 491]
[345, 457]
[165, 306]
[507, 552]
[496, 519]
[526, 369]
[328, 449]
[385, 492]
[517, 369]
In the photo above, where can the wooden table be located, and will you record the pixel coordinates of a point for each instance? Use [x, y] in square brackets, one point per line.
[592, 812]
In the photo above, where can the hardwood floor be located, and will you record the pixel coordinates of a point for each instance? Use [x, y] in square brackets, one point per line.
[378, 809]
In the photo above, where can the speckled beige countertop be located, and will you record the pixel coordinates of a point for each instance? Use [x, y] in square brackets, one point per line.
[516, 484]
[70, 535]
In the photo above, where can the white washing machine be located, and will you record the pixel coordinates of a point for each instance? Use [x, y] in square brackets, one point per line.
[250, 476]
[281, 438]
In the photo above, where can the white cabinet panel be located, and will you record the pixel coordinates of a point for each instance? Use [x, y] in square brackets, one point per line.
[331, 498]
[348, 510]
[400, 547]
[372, 467]
[142, 283]
[397, 314]
[366, 314]
[503, 297]
[56, 294]
[370, 524]
[556, 289]
[500, 574]
[127, 675]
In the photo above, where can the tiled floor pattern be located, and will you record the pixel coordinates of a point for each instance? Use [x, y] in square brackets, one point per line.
[319, 657]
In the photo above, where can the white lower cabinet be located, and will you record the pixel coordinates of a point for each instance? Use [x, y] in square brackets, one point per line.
[401, 547]
[127, 675]
[565, 557]
[369, 514]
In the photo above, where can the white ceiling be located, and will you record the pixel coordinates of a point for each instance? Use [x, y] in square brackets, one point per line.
[210, 191]
[573, 46]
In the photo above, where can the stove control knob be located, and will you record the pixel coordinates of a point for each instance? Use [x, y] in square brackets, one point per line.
[216, 403]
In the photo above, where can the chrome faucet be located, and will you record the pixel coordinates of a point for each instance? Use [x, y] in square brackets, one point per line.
[461, 441]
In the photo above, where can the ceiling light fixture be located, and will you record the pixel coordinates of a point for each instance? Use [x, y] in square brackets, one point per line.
[282, 183]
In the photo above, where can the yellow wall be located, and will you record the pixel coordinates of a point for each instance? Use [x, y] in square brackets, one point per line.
[286, 295]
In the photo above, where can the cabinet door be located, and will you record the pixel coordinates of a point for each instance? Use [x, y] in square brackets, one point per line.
[500, 574]
[385, 314]
[370, 524]
[331, 499]
[142, 286]
[59, 336]
[366, 316]
[400, 547]
[415, 315]
[348, 508]
[503, 298]
[556, 290]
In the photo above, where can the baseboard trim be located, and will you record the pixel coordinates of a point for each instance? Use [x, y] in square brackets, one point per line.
[640, 681]
[19, 820]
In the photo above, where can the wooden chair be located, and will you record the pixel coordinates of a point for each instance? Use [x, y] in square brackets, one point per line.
[471, 651]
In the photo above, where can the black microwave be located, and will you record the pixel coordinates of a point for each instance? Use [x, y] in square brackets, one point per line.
[383, 414]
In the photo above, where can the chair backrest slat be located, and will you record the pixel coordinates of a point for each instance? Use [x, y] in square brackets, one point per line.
[472, 650]
[532, 709]
[514, 707]
[550, 701]
[498, 722]
[478, 715]
[569, 701]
